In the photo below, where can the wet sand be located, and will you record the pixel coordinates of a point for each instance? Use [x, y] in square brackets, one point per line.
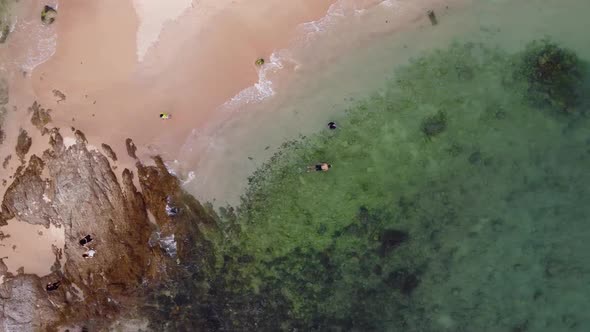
[351, 59]
[30, 247]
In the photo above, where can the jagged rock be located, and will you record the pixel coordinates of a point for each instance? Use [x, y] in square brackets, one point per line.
[80, 137]
[60, 95]
[23, 144]
[29, 197]
[4, 31]
[26, 306]
[77, 189]
[40, 116]
[3, 92]
[6, 161]
[109, 152]
[131, 148]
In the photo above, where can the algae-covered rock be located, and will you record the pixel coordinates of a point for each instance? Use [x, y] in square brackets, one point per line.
[4, 31]
[48, 15]
[554, 74]
[434, 124]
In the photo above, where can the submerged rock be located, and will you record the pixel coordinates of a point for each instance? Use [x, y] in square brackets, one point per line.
[434, 124]
[554, 75]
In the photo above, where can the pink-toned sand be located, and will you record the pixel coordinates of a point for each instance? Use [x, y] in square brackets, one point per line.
[202, 59]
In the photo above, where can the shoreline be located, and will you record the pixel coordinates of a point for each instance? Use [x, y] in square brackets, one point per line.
[109, 106]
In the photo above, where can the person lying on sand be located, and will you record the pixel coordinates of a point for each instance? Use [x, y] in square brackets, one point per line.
[165, 116]
[321, 167]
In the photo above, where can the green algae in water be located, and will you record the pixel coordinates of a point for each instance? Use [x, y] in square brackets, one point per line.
[479, 226]
[414, 234]
[554, 75]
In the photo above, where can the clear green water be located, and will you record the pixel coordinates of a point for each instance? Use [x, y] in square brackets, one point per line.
[457, 200]
[479, 224]
[493, 207]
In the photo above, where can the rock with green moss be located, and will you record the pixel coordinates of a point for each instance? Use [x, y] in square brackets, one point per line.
[554, 75]
[48, 15]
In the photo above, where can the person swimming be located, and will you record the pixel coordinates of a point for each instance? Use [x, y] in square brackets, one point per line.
[321, 167]
[332, 125]
[165, 116]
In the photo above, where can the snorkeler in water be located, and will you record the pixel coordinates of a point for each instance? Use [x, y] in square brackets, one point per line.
[332, 125]
[165, 116]
[321, 167]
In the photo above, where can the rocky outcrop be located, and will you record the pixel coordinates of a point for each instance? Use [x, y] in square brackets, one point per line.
[23, 144]
[40, 117]
[109, 151]
[131, 148]
[74, 188]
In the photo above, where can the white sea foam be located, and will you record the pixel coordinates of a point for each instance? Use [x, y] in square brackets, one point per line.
[307, 31]
[261, 90]
[153, 15]
[44, 37]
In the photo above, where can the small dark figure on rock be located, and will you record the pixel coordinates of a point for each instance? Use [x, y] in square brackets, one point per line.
[554, 75]
[89, 254]
[172, 211]
[52, 286]
[85, 240]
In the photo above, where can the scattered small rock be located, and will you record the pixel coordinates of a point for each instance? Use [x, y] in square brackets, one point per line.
[60, 95]
[6, 161]
[40, 116]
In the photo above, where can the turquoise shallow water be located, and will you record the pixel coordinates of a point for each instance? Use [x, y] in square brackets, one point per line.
[457, 200]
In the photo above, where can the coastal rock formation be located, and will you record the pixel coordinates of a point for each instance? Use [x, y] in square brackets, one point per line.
[76, 189]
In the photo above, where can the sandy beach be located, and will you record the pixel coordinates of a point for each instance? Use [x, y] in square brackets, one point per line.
[194, 68]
